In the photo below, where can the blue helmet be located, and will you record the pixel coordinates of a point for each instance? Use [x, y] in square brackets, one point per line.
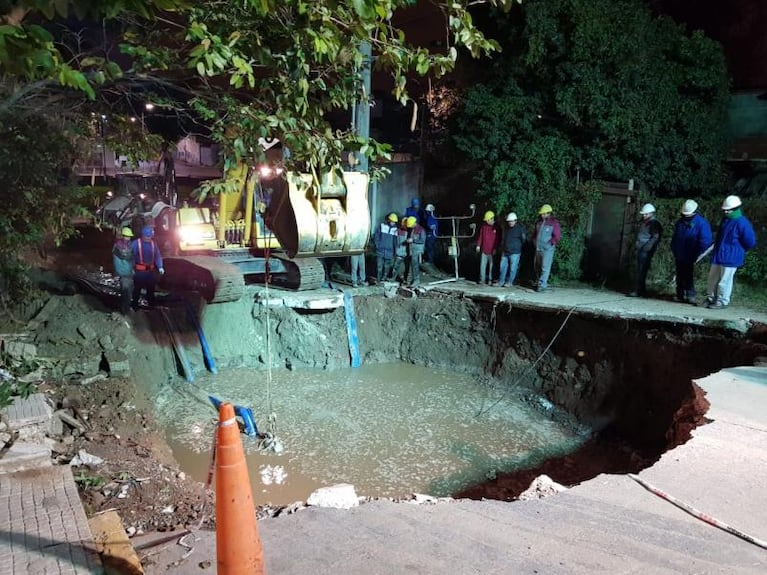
[147, 232]
[415, 202]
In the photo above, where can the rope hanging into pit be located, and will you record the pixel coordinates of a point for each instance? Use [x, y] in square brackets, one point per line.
[530, 367]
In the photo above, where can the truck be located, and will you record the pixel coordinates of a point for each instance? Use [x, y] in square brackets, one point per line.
[277, 225]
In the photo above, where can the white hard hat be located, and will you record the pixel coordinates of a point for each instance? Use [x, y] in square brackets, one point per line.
[689, 207]
[647, 209]
[429, 207]
[512, 217]
[731, 202]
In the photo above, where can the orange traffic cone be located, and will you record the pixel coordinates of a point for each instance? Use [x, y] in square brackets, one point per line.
[238, 545]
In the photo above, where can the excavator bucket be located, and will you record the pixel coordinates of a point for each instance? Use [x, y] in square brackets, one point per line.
[329, 218]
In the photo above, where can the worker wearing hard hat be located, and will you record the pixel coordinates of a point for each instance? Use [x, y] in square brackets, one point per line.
[147, 261]
[431, 226]
[488, 240]
[385, 240]
[648, 238]
[690, 242]
[122, 259]
[733, 239]
[514, 237]
[545, 238]
[415, 240]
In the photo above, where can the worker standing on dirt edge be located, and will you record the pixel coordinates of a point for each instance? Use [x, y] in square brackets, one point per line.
[546, 237]
[488, 241]
[733, 239]
[146, 261]
[514, 237]
[359, 275]
[414, 242]
[692, 237]
[431, 226]
[648, 239]
[122, 259]
[401, 252]
[385, 239]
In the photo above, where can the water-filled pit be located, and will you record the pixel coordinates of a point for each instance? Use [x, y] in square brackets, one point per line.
[453, 394]
[388, 429]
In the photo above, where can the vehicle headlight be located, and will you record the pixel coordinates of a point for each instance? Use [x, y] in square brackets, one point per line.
[191, 235]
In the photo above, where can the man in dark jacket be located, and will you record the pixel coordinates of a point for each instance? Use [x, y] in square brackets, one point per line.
[648, 239]
[385, 239]
[733, 239]
[431, 225]
[692, 237]
[514, 237]
[546, 237]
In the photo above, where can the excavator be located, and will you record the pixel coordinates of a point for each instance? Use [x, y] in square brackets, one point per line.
[276, 225]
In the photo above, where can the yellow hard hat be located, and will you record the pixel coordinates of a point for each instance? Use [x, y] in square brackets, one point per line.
[545, 209]
[392, 217]
[127, 232]
[410, 222]
[489, 216]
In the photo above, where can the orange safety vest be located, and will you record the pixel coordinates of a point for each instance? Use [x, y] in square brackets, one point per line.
[140, 266]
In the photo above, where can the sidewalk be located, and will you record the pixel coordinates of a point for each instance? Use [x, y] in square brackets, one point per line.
[43, 528]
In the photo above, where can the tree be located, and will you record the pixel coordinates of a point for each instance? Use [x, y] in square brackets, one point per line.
[247, 70]
[239, 70]
[598, 87]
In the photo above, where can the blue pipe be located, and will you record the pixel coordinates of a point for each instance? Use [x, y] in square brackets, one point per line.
[245, 413]
[210, 363]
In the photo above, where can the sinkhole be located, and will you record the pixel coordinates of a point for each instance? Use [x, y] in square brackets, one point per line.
[454, 397]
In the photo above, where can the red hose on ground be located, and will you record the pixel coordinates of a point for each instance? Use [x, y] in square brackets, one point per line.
[698, 514]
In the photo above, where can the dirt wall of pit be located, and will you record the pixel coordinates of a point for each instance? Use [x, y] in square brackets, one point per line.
[628, 376]
[631, 377]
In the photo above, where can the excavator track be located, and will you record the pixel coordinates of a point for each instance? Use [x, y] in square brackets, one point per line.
[301, 274]
[216, 280]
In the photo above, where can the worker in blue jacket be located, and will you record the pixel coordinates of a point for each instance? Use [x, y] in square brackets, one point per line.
[147, 262]
[733, 239]
[431, 226]
[692, 237]
[386, 240]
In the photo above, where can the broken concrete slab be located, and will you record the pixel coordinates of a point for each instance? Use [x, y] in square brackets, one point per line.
[21, 350]
[30, 416]
[22, 456]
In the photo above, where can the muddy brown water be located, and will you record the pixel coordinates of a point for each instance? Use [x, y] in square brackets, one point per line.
[391, 430]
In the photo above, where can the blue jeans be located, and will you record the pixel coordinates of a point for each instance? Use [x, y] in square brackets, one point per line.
[358, 269]
[510, 264]
[543, 261]
[485, 264]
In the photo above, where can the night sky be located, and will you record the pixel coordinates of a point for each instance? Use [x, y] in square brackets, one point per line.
[741, 27]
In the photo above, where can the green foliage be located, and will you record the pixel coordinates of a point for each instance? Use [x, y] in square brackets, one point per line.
[289, 63]
[9, 390]
[128, 137]
[601, 87]
[13, 388]
[37, 199]
[87, 481]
